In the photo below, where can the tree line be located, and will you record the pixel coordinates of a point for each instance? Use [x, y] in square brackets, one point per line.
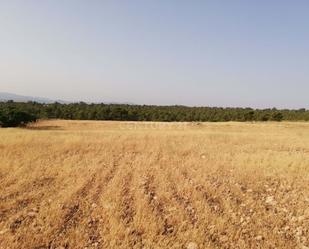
[18, 113]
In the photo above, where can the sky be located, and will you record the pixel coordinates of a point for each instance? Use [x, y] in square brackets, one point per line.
[197, 53]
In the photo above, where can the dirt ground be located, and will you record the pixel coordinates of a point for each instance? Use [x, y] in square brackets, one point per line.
[92, 184]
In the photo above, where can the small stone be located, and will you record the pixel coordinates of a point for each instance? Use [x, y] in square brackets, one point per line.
[259, 238]
[284, 210]
[3, 231]
[299, 231]
[192, 245]
[35, 209]
[170, 229]
[31, 214]
[286, 228]
[293, 219]
[94, 205]
[270, 200]
[249, 190]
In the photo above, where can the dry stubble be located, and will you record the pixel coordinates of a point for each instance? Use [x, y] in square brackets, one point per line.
[82, 184]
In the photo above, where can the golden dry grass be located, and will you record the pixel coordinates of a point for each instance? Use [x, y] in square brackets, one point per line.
[82, 184]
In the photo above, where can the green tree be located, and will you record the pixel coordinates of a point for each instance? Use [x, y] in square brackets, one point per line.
[277, 116]
[14, 118]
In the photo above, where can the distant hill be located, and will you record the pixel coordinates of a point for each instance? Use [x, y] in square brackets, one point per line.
[20, 98]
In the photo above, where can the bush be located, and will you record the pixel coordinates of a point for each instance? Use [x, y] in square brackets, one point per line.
[15, 118]
[277, 116]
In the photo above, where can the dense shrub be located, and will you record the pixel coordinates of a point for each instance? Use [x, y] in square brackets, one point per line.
[14, 118]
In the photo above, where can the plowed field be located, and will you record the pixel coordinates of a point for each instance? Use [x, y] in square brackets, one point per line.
[83, 184]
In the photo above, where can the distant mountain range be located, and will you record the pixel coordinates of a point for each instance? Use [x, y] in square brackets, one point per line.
[20, 98]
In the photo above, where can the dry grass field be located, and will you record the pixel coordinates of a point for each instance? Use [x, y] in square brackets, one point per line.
[82, 184]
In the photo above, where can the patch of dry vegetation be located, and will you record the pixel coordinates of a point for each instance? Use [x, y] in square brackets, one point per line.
[80, 184]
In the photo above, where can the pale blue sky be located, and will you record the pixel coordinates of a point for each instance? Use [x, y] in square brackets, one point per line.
[212, 53]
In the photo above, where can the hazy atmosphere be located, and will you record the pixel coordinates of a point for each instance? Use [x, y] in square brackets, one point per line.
[205, 53]
[154, 124]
